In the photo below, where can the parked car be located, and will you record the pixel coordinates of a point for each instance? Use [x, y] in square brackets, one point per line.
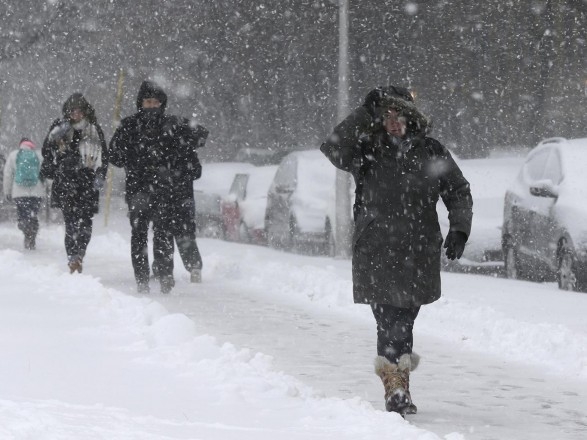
[300, 203]
[544, 233]
[209, 192]
[489, 179]
[244, 208]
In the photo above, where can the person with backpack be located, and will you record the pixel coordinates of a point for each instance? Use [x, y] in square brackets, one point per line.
[75, 157]
[23, 186]
[400, 173]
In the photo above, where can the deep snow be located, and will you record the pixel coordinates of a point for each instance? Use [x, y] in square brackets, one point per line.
[271, 346]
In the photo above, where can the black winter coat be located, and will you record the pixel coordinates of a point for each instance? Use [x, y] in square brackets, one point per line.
[397, 239]
[159, 160]
[73, 159]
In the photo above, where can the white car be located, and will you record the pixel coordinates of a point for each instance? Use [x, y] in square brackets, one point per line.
[489, 179]
[243, 211]
[544, 231]
[209, 192]
[300, 203]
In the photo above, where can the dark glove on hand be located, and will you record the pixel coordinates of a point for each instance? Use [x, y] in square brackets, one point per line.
[455, 244]
[373, 100]
[8, 198]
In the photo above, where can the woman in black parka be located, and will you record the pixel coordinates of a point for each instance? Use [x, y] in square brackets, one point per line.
[75, 157]
[400, 173]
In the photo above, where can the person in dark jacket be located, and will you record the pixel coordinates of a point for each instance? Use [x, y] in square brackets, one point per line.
[400, 173]
[158, 153]
[75, 157]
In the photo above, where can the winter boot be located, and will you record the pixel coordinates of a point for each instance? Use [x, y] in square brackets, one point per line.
[143, 287]
[75, 264]
[396, 381]
[196, 276]
[167, 283]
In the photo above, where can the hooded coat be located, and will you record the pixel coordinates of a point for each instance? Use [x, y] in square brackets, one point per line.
[157, 151]
[397, 239]
[73, 157]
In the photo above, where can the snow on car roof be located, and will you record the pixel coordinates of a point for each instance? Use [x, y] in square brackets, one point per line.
[260, 179]
[218, 176]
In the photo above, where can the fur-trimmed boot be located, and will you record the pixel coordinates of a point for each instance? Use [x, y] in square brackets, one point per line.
[75, 264]
[396, 381]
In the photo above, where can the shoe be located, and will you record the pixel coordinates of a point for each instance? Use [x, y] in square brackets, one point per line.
[396, 382]
[196, 276]
[167, 283]
[143, 288]
[29, 243]
[75, 264]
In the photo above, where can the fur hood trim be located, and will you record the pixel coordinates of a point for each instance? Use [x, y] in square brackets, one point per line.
[418, 123]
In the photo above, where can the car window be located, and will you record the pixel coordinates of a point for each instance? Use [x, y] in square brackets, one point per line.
[239, 186]
[286, 174]
[553, 170]
[534, 167]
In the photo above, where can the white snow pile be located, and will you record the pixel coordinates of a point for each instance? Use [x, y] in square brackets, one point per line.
[81, 361]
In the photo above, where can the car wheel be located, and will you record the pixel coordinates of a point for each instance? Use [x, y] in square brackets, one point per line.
[565, 275]
[511, 263]
[243, 233]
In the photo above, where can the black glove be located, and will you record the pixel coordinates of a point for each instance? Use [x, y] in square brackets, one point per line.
[373, 100]
[455, 244]
[8, 198]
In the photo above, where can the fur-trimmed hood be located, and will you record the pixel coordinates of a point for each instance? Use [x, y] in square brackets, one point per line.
[77, 100]
[417, 122]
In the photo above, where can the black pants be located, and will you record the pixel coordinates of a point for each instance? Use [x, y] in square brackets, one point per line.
[176, 220]
[171, 219]
[184, 232]
[78, 232]
[27, 212]
[139, 209]
[163, 239]
[394, 330]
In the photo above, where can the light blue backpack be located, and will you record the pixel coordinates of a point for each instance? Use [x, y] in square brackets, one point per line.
[27, 168]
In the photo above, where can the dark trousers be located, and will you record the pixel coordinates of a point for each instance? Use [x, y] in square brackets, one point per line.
[27, 212]
[184, 232]
[139, 209]
[171, 220]
[163, 239]
[175, 220]
[78, 232]
[394, 330]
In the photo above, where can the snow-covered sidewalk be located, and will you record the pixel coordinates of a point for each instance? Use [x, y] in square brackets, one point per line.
[80, 360]
[85, 357]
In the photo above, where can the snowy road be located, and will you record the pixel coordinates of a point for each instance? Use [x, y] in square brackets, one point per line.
[328, 343]
[486, 398]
